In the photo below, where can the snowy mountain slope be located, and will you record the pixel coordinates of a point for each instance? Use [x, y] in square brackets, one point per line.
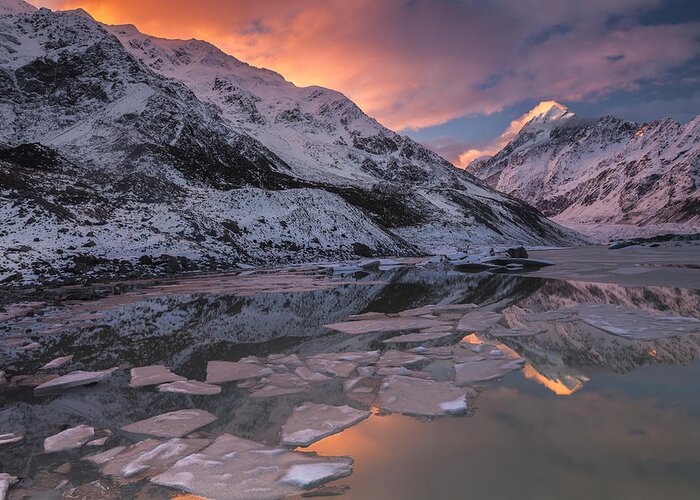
[603, 170]
[107, 164]
[324, 137]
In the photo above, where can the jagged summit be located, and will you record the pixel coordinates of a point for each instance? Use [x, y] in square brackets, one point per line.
[547, 114]
[602, 170]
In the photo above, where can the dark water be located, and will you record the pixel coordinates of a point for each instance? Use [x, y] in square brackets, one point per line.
[590, 415]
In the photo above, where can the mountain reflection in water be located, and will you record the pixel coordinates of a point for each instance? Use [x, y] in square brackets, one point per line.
[629, 425]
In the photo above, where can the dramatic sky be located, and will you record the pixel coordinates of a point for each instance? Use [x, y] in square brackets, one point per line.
[454, 74]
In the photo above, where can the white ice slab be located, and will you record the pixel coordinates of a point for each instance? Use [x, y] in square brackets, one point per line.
[312, 422]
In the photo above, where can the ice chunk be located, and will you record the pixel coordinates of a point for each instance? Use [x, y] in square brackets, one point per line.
[6, 480]
[400, 358]
[384, 325]
[57, 363]
[310, 375]
[634, 323]
[478, 321]
[515, 332]
[190, 387]
[227, 371]
[73, 379]
[481, 371]
[71, 438]
[149, 456]
[172, 424]
[152, 375]
[232, 468]
[331, 367]
[11, 437]
[414, 396]
[421, 336]
[312, 422]
[310, 475]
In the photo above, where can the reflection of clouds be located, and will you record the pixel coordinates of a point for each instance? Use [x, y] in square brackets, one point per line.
[528, 446]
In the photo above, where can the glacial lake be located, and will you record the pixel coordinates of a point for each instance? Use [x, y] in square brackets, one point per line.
[577, 381]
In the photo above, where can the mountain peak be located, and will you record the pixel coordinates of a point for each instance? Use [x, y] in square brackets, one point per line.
[546, 114]
[15, 7]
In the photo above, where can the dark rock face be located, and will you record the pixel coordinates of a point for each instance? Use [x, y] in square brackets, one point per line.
[517, 252]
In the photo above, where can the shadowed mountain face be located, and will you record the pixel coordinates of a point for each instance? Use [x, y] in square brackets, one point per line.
[603, 170]
[114, 148]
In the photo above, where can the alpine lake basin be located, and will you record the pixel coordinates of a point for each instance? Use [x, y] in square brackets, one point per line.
[407, 381]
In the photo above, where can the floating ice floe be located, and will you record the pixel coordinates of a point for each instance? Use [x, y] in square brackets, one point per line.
[384, 325]
[232, 468]
[279, 384]
[73, 379]
[478, 321]
[173, 424]
[399, 358]
[422, 336]
[57, 363]
[143, 376]
[6, 480]
[515, 332]
[190, 387]
[150, 456]
[634, 323]
[482, 371]
[75, 437]
[228, 371]
[414, 396]
[312, 422]
[11, 437]
[310, 375]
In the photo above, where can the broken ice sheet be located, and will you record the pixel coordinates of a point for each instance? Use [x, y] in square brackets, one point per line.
[73, 379]
[147, 456]
[421, 336]
[635, 324]
[233, 468]
[482, 371]
[228, 371]
[478, 321]
[6, 480]
[172, 424]
[415, 396]
[190, 387]
[75, 437]
[57, 363]
[312, 422]
[152, 375]
[11, 437]
[515, 332]
[384, 325]
[399, 358]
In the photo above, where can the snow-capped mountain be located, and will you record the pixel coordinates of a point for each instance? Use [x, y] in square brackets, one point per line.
[119, 152]
[604, 170]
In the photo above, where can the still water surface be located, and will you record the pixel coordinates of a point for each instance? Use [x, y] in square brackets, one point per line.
[588, 414]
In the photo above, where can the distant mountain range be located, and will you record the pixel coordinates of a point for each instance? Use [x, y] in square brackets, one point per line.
[601, 171]
[122, 153]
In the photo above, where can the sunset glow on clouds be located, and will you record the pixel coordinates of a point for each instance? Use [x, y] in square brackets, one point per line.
[419, 63]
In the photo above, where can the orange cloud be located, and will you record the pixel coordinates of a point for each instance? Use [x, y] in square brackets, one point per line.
[417, 63]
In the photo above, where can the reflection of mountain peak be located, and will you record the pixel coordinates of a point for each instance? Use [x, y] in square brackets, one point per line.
[564, 386]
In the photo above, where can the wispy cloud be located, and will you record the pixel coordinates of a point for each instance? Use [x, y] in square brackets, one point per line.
[418, 63]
